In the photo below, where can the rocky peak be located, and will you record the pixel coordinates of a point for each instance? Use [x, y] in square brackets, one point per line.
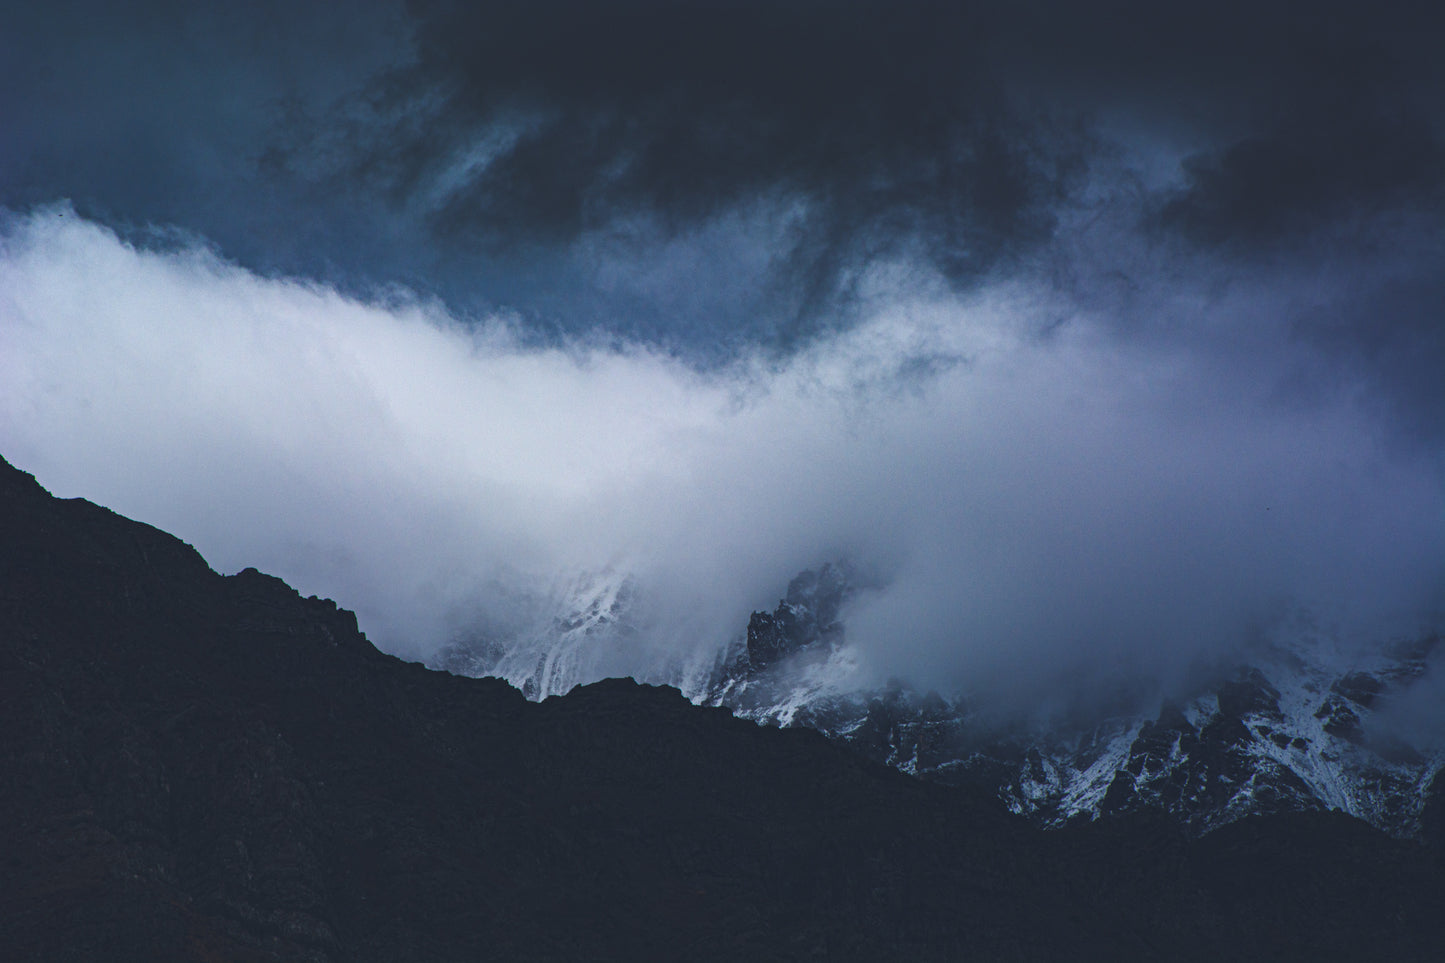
[806, 616]
[1286, 734]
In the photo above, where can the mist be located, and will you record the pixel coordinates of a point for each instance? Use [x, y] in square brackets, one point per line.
[1028, 490]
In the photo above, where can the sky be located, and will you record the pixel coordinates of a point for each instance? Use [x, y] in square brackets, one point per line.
[1097, 337]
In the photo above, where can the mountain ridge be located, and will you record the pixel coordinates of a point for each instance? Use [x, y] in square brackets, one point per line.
[1279, 731]
[1288, 724]
[198, 766]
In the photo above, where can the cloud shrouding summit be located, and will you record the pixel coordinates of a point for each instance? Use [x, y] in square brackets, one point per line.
[1028, 488]
[1094, 334]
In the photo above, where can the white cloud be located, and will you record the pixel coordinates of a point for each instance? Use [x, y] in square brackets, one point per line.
[1035, 502]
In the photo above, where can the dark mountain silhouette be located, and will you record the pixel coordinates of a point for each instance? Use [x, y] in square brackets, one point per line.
[199, 767]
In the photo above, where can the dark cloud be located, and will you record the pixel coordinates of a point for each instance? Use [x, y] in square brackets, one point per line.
[1303, 180]
[548, 156]
[882, 132]
[952, 135]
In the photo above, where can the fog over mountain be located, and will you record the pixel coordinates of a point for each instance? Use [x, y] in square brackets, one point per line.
[1097, 340]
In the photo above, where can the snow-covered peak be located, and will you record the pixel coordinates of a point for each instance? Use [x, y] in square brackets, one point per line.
[1299, 724]
[556, 640]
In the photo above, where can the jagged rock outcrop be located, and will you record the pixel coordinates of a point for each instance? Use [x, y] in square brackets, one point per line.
[197, 767]
[1288, 734]
[806, 616]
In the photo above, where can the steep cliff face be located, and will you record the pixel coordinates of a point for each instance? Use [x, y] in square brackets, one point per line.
[1289, 731]
[198, 767]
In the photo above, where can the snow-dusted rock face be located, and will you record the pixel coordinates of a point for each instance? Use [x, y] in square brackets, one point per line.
[565, 637]
[1289, 732]
[1293, 728]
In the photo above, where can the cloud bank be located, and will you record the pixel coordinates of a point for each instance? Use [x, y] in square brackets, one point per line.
[1029, 488]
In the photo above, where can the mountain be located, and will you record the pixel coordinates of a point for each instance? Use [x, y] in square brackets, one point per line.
[206, 767]
[1287, 731]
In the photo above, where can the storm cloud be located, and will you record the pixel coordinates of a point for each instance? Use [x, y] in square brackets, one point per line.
[571, 161]
[1098, 335]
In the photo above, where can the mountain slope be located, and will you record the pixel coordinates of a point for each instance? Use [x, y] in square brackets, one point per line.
[198, 767]
[1286, 731]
